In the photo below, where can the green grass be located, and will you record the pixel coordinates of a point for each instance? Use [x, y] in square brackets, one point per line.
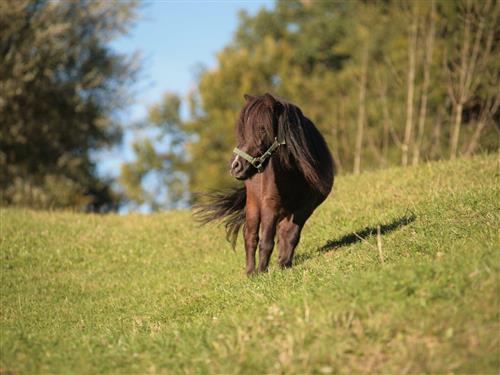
[158, 294]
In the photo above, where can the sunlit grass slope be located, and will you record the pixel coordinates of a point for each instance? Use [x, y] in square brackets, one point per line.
[158, 294]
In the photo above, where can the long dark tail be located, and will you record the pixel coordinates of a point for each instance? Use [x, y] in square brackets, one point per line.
[228, 206]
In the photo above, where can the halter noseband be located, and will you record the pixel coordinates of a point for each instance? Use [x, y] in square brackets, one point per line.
[258, 162]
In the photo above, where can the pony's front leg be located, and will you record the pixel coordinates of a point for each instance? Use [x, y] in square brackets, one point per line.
[251, 235]
[268, 223]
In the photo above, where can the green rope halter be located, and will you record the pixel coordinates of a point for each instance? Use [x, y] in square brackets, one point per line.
[258, 162]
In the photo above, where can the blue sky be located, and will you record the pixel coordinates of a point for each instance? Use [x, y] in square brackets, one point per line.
[173, 38]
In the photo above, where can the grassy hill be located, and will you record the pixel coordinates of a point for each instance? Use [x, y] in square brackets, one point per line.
[158, 294]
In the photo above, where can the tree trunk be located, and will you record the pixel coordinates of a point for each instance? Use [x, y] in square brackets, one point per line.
[425, 86]
[455, 134]
[490, 107]
[361, 112]
[412, 47]
[474, 141]
[343, 137]
[435, 151]
[461, 95]
[336, 143]
[382, 91]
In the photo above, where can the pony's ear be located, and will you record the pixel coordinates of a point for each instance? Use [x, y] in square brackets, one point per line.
[273, 103]
[249, 97]
[269, 99]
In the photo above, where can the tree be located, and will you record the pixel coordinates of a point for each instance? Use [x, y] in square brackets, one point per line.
[469, 55]
[60, 85]
[156, 177]
[361, 112]
[430, 27]
[412, 52]
[369, 74]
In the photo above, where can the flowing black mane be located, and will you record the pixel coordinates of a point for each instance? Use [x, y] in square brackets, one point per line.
[305, 147]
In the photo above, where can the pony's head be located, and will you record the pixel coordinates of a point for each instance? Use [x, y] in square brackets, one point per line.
[270, 127]
[257, 132]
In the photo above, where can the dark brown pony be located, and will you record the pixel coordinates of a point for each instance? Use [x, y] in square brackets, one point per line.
[288, 171]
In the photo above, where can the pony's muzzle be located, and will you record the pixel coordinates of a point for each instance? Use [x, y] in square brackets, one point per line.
[240, 168]
[236, 166]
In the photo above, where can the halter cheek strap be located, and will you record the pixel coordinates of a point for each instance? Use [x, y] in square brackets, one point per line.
[258, 162]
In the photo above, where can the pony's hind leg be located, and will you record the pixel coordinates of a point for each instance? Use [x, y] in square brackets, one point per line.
[268, 224]
[289, 229]
[288, 238]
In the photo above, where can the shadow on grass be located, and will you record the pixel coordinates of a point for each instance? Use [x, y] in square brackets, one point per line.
[356, 237]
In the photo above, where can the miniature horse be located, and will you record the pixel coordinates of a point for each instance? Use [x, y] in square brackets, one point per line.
[287, 170]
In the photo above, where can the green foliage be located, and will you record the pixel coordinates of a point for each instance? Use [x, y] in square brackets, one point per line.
[159, 154]
[311, 53]
[60, 85]
[159, 294]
